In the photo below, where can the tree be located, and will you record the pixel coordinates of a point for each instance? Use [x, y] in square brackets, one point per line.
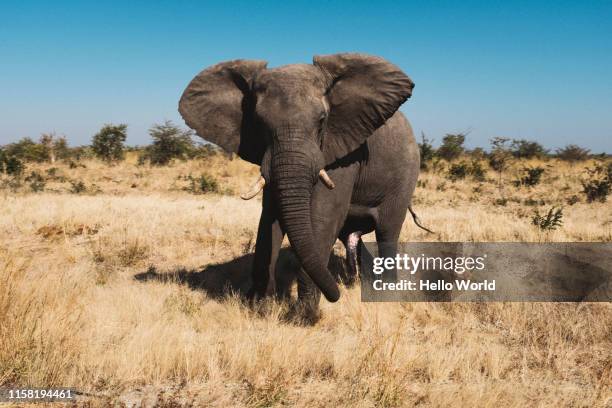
[525, 149]
[47, 140]
[452, 146]
[107, 144]
[61, 149]
[426, 149]
[573, 153]
[500, 155]
[27, 150]
[169, 142]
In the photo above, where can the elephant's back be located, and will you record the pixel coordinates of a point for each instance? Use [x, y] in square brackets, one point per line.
[392, 167]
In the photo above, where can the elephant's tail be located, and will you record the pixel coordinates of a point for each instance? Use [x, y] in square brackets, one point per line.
[417, 221]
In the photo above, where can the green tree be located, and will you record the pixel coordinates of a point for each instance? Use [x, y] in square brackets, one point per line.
[61, 149]
[107, 144]
[169, 142]
[452, 146]
[525, 149]
[500, 155]
[573, 153]
[27, 150]
[427, 151]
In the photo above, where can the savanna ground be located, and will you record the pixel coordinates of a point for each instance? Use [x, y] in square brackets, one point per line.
[109, 286]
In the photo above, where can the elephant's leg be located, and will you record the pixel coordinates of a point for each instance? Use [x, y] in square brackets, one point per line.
[352, 242]
[389, 224]
[269, 239]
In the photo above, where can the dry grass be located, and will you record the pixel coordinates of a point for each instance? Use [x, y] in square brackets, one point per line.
[72, 313]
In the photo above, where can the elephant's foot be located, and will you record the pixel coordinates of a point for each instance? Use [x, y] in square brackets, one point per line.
[302, 314]
[256, 293]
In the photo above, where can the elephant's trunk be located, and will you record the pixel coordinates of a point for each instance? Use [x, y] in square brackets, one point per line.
[295, 169]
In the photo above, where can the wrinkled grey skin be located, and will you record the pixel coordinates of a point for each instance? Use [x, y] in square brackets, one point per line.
[339, 114]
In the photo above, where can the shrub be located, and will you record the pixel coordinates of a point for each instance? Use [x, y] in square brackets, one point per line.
[107, 144]
[525, 149]
[597, 186]
[427, 151]
[13, 166]
[531, 176]
[477, 153]
[458, 171]
[477, 172]
[202, 185]
[573, 153]
[550, 221]
[169, 142]
[452, 146]
[572, 200]
[77, 187]
[81, 152]
[37, 181]
[27, 150]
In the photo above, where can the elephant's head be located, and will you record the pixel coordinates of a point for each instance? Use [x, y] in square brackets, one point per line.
[293, 121]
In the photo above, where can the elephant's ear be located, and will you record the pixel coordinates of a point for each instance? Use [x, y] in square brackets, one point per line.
[219, 106]
[364, 91]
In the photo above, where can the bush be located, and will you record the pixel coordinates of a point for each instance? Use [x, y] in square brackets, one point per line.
[524, 149]
[77, 187]
[202, 185]
[37, 181]
[427, 151]
[13, 166]
[597, 186]
[477, 172]
[573, 153]
[169, 142]
[458, 171]
[531, 176]
[27, 150]
[452, 146]
[550, 221]
[107, 144]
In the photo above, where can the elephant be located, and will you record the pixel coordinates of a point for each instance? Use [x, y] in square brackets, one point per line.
[337, 158]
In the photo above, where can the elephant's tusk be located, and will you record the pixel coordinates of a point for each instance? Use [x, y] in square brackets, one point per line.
[326, 179]
[255, 189]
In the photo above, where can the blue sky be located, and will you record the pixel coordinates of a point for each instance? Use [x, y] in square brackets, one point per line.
[534, 70]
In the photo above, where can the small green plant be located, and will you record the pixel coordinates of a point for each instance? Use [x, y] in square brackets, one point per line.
[531, 176]
[477, 172]
[77, 187]
[597, 186]
[37, 181]
[458, 171]
[550, 221]
[501, 202]
[201, 185]
[572, 200]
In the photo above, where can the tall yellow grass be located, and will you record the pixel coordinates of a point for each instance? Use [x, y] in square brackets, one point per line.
[73, 314]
